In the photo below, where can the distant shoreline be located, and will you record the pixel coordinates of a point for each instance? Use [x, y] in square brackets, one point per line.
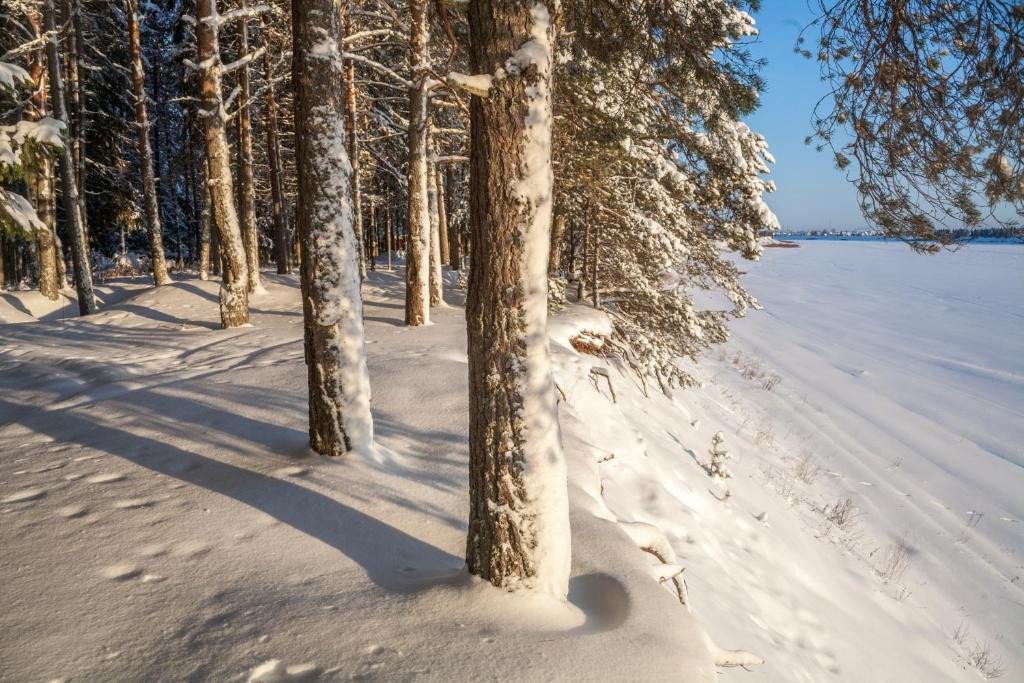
[808, 237]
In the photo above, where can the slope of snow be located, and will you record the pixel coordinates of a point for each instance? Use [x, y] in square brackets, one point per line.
[162, 517]
[164, 520]
[27, 306]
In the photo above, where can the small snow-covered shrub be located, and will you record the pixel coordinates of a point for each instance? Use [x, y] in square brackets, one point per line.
[719, 454]
[806, 469]
[894, 560]
[840, 513]
[988, 665]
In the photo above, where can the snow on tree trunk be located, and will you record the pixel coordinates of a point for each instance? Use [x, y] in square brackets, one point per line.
[247, 202]
[234, 292]
[417, 262]
[274, 160]
[339, 385]
[436, 275]
[519, 518]
[68, 182]
[156, 242]
[353, 145]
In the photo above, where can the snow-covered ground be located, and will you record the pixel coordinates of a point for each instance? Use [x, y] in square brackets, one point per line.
[896, 381]
[162, 519]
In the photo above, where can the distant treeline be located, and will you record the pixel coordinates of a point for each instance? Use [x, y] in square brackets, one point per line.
[1011, 234]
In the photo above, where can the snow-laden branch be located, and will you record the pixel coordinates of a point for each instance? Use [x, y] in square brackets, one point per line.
[378, 67]
[479, 85]
[243, 61]
[215, 21]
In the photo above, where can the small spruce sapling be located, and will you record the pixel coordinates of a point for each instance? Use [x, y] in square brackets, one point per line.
[719, 454]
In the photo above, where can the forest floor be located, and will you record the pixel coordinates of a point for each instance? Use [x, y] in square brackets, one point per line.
[162, 518]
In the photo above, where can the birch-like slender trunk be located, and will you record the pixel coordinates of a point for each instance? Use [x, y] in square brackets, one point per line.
[519, 515]
[442, 216]
[149, 197]
[234, 291]
[454, 233]
[417, 258]
[339, 385]
[436, 274]
[68, 182]
[274, 159]
[247, 203]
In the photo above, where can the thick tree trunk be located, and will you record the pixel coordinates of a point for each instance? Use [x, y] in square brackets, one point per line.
[519, 517]
[274, 160]
[69, 184]
[353, 145]
[247, 203]
[149, 198]
[234, 292]
[436, 274]
[417, 248]
[339, 385]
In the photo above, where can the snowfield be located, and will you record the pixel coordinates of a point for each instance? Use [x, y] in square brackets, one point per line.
[162, 518]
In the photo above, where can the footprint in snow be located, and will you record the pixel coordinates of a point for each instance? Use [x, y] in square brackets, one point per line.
[121, 572]
[72, 512]
[23, 496]
[276, 671]
[106, 478]
[133, 504]
[190, 550]
[292, 471]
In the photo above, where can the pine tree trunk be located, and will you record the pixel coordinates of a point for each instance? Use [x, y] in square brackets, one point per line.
[234, 292]
[454, 232]
[353, 145]
[519, 517]
[436, 274]
[274, 161]
[69, 184]
[339, 385]
[390, 231]
[442, 216]
[81, 115]
[247, 203]
[557, 234]
[205, 231]
[417, 259]
[149, 198]
[40, 183]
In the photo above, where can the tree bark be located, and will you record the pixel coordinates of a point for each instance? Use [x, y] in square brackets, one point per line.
[274, 160]
[234, 291]
[417, 259]
[353, 145]
[250, 237]
[436, 274]
[442, 216]
[40, 184]
[519, 519]
[557, 234]
[156, 241]
[69, 184]
[339, 385]
[454, 232]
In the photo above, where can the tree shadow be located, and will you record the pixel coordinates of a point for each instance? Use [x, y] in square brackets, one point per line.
[383, 551]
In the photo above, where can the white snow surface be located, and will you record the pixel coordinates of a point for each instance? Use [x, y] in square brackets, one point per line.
[163, 518]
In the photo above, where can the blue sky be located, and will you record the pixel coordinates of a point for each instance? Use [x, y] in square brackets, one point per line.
[811, 192]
